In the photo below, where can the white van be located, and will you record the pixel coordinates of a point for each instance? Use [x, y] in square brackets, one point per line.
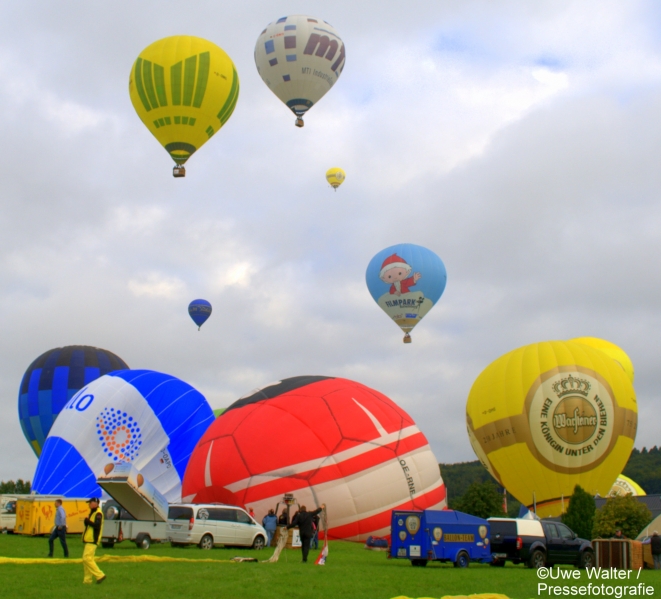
[212, 524]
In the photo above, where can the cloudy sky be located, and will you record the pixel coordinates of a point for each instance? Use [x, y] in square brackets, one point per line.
[518, 140]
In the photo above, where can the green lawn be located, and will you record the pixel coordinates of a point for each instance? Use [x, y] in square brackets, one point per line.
[350, 572]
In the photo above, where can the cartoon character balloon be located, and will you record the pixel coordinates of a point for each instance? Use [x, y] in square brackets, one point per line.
[184, 90]
[326, 440]
[549, 416]
[335, 176]
[610, 349]
[300, 58]
[199, 310]
[406, 280]
[52, 380]
[150, 419]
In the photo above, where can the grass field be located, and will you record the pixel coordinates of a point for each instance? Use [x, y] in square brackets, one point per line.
[351, 572]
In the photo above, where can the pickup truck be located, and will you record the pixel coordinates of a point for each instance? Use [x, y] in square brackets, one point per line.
[537, 543]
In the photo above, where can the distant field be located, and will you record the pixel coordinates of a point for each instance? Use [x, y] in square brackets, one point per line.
[351, 572]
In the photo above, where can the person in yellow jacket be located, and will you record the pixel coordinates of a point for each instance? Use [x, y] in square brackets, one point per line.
[91, 539]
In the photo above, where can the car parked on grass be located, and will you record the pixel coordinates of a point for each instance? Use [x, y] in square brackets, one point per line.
[537, 543]
[208, 525]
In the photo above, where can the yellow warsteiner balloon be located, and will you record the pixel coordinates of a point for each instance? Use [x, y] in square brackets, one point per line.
[549, 416]
[335, 176]
[610, 349]
[623, 485]
[184, 89]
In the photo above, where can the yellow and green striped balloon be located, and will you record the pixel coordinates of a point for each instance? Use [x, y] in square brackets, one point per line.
[184, 90]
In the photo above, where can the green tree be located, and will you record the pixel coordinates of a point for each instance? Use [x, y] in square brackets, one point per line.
[482, 500]
[624, 513]
[580, 513]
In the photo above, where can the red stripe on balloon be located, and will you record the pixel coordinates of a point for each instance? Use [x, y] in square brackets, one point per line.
[360, 463]
[382, 520]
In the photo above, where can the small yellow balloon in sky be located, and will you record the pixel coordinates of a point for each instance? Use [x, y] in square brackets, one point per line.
[335, 176]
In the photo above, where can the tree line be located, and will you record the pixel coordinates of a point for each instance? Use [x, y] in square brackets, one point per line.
[20, 487]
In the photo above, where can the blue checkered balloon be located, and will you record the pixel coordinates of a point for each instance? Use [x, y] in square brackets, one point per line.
[52, 380]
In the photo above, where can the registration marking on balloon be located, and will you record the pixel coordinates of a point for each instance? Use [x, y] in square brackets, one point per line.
[572, 414]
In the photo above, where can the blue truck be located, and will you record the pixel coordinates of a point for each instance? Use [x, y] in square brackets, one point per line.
[446, 536]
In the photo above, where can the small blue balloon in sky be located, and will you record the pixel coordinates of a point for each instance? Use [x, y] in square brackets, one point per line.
[199, 311]
[406, 280]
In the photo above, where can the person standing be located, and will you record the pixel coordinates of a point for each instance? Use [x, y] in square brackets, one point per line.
[314, 543]
[303, 519]
[655, 542]
[59, 530]
[91, 539]
[270, 523]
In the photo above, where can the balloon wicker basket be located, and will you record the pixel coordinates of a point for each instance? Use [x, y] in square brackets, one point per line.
[299, 122]
[407, 338]
[178, 171]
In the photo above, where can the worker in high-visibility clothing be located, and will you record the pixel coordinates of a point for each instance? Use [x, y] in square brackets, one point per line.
[91, 539]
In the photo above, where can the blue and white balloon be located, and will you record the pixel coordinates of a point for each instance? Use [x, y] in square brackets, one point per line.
[150, 419]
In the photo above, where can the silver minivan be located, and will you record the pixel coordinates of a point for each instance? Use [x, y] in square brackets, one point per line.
[212, 524]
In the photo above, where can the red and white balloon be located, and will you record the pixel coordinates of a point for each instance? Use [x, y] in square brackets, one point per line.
[326, 440]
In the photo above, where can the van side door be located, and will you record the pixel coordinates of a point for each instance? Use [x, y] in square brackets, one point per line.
[224, 522]
[245, 528]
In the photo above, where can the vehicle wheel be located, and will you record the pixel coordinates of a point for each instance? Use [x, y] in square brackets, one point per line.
[537, 559]
[107, 544]
[421, 563]
[206, 542]
[143, 542]
[586, 560]
[258, 543]
[463, 560]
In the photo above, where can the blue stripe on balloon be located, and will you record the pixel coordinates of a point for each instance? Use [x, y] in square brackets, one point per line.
[104, 362]
[45, 415]
[59, 396]
[33, 393]
[37, 431]
[76, 370]
[182, 410]
[63, 471]
[46, 378]
[91, 374]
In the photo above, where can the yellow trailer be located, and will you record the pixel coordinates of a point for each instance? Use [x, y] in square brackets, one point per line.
[35, 515]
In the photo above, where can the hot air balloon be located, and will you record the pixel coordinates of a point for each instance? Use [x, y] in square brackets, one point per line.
[52, 380]
[335, 176]
[149, 419]
[549, 416]
[623, 485]
[611, 350]
[406, 280]
[300, 58]
[326, 440]
[184, 90]
[199, 310]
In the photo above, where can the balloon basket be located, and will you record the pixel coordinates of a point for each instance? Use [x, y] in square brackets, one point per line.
[407, 338]
[178, 171]
[299, 122]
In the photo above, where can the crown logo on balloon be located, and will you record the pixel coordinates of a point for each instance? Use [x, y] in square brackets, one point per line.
[571, 385]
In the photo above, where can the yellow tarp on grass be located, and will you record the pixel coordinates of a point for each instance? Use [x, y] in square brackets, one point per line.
[480, 596]
[106, 558]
